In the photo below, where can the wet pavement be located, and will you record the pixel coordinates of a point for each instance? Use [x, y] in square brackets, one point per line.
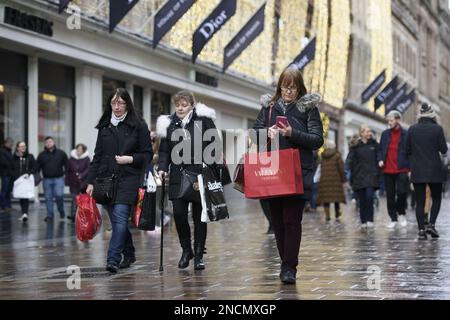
[337, 261]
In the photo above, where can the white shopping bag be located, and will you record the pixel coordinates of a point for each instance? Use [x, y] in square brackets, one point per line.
[150, 183]
[24, 187]
[201, 186]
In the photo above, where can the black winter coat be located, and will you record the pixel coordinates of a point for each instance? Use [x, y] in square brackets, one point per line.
[307, 135]
[52, 163]
[127, 139]
[22, 165]
[202, 118]
[363, 165]
[6, 161]
[424, 142]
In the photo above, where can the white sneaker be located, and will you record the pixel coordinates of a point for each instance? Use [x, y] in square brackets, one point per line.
[24, 217]
[392, 225]
[364, 226]
[402, 220]
[370, 225]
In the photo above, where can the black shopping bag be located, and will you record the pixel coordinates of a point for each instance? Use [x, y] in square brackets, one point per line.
[214, 198]
[147, 217]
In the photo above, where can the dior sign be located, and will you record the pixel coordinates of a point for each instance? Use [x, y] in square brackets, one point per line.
[213, 23]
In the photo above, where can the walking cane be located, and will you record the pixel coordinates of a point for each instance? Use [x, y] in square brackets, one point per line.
[163, 195]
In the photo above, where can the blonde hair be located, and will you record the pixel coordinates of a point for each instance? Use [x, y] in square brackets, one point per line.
[363, 128]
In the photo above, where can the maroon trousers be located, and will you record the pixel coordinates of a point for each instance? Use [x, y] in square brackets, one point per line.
[287, 214]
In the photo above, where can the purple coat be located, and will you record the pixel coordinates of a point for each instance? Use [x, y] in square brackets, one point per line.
[77, 172]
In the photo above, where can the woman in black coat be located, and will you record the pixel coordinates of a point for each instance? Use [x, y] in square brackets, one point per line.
[304, 131]
[425, 143]
[365, 173]
[123, 149]
[189, 123]
[23, 163]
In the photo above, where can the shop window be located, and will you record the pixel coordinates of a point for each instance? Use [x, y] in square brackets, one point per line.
[160, 105]
[12, 113]
[138, 100]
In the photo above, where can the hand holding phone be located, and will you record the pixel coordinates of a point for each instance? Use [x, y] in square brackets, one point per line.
[282, 122]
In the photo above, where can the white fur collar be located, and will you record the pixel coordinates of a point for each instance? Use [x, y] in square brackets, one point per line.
[74, 155]
[164, 121]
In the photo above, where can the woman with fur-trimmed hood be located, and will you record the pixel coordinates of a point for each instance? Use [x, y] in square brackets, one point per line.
[304, 132]
[189, 122]
[76, 174]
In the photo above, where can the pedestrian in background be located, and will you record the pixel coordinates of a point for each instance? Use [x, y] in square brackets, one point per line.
[6, 163]
[393, 160]
[76, 175]
[365, 174]
[53, 162]
[424, 145]
[23, 163]
[331, 185]
[312, 207]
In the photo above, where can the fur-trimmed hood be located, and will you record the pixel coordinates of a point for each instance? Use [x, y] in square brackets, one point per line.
[164, 121]
[74, 155]
[305, 103]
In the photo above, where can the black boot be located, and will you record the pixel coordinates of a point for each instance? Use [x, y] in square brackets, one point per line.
[422, 235]
[288, 276]
[198, 259]
[186, 256]
[431, 230]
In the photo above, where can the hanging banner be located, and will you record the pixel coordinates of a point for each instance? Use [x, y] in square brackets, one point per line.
[373, 87]
[306, 56]
[386, 94]
[215, 21]
[63, 5]
[118, 9]
[253, 28]
[397, 97]
[406, 102]
[168, 16]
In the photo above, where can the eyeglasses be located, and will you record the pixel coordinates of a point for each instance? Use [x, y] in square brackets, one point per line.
[120, 103]
[289, 89]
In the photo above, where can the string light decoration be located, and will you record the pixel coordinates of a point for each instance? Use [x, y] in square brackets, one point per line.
[255, 61]
[338, 47]
[292, 30]
[379, 24]
[315, 71]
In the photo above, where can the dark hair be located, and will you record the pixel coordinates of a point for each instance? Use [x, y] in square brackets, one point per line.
[184, 95]
[83, 146]
[132, 117]
[291, 75]
[8, 140]
[48, 138]
[19, 142]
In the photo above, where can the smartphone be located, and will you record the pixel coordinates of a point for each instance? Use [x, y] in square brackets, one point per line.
[282, 120]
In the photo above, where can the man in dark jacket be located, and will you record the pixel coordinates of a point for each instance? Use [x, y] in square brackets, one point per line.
[53, 162]
[424, 145]
[393, 160]
[6, 164]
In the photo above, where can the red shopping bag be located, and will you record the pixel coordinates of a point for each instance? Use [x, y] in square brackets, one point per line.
[137, 215]
[89, 218]
[280, 177]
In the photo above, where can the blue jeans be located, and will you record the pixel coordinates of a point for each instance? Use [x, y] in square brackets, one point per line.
[54, 188]
[5, 195]
[365, 197]
[121, 240]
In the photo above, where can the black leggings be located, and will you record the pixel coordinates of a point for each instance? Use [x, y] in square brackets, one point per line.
[337, 208]
[436, 198]
[180, 213]
[24, 205]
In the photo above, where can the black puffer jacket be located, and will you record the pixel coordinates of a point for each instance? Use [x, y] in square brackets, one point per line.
[203, 118]
[424, 143]
[307, 136]
[127, 139]
[363, 165]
